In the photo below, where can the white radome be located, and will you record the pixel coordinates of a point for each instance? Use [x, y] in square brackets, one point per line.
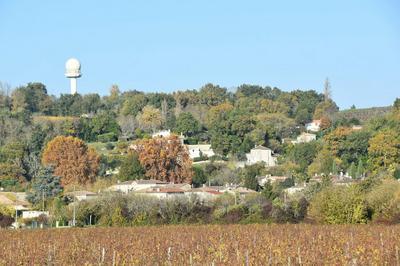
[72, 68]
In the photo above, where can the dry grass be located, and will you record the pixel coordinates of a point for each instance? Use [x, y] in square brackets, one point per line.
[53, 119]
[204, 245]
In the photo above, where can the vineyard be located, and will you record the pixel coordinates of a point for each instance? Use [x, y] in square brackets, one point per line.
[204, 245]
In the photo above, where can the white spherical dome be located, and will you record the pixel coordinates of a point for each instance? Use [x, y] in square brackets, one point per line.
[73, 68]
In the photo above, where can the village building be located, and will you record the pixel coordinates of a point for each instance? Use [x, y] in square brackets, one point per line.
[133, 185]
[204, 193]
[200, 150]
[262, 180]
[161, 192]
[82, 195]
[260, 154]
[162, 134]
[314, 126]
[293, 190]
[341, 179]
[33, 214]
[304, 138]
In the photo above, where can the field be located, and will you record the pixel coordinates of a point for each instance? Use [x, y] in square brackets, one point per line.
[204, 245]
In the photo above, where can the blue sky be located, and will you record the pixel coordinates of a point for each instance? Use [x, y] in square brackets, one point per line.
[171, 45]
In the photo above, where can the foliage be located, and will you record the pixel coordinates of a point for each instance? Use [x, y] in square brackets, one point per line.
[134, 104]
[131, 168]
[6, 221]
[165, 159]
[249, 175]
[199, 177]
[187, 124]
[150, 118]
[339, 205]
[44, 186]
[384, 151]
[72, 160]
[384, 201]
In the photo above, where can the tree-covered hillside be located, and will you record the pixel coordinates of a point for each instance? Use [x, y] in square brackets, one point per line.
[50, 143]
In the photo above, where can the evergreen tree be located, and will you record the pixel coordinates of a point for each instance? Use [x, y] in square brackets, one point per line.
[352, 170]
[334, 168]
[131, 168]
[45, 186]
[360, 169]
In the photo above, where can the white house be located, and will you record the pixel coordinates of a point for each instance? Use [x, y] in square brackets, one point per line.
[260, 154]
[204, 193]
[134, 185]
[304, 138]
[33, 214]
[83, 195]
[262, 180]
[162, 192]
[314, 126]
[162, 133]
[196, 151]
[357, 127]
[294, 190]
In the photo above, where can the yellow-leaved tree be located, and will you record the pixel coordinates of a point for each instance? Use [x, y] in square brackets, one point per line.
[72, 160]
[165, 159]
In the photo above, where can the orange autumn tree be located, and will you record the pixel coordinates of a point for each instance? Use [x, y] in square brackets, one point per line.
[165, 159]
[72, 160]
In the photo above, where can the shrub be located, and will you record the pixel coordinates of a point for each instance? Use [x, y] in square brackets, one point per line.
[339, 205]
[109, 146]
[107, 137]
[384, 201]
[6, 221]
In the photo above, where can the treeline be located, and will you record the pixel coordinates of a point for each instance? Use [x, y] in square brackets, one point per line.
[132, 210]
[233, 122]
[362, 115]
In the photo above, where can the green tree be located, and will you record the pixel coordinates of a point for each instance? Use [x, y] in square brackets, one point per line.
[323, 163]
[91, 103]
[212, 95]
[303, 154]
[360, 169]
[352, 170]
[187, 124]
[325, 108]
[131, 168]
[384, 151]
[150, 118]
[339, 205]
[249, 174]
[134, 104]
[68, 105]
[105, 123]
[199, 177]
[269, 192]
[46, 186]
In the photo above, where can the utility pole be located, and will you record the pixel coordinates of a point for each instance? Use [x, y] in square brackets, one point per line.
[16, 218]
[43, 200]
[74, 218]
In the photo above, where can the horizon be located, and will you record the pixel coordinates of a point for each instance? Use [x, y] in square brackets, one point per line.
[179, 46]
